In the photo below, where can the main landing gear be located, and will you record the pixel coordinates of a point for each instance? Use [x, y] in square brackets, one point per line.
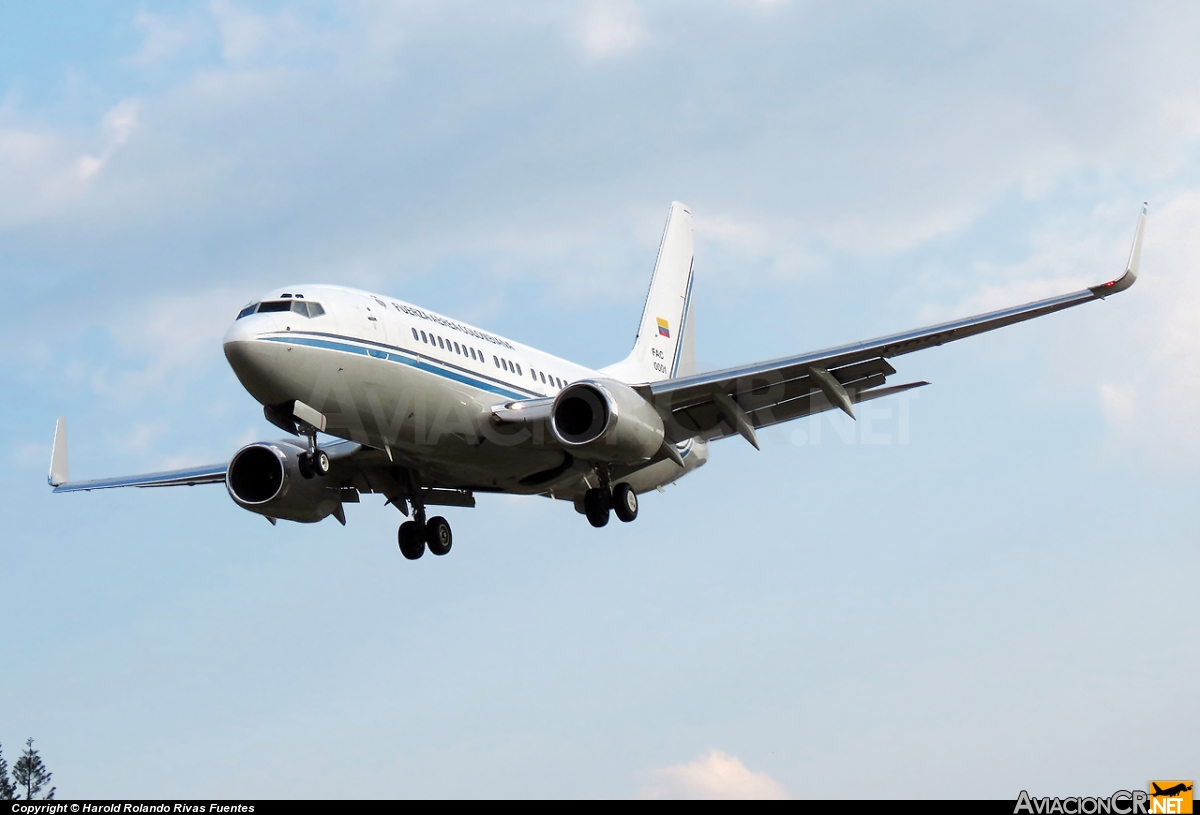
[417, 534]
[598, 501]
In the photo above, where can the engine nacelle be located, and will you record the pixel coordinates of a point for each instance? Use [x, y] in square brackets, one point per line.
[605, 420]
[264, 477]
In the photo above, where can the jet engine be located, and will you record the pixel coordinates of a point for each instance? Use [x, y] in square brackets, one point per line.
[605, 420]
[265, 477]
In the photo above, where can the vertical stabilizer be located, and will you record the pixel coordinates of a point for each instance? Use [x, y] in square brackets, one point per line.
[687, 349]
[664, 347]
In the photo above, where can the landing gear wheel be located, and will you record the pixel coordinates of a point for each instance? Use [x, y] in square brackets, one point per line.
[412, 541]
[320, 463]
[595, 507]
[437, 535]
[625, 502]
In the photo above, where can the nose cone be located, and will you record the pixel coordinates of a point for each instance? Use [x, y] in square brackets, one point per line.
[254, 360]
[239, 331]
[239, 344]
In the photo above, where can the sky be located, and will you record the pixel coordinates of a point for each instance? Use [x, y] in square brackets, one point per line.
[985, 586]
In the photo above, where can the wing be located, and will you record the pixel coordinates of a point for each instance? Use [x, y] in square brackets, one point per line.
[210, 474]
[60, 477]
[738, 400]
[355, 467]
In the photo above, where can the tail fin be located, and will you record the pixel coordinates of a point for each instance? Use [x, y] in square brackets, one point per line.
[665, 345]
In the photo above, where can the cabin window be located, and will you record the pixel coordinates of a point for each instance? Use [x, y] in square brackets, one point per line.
[424, 339]
[456, 349]
[496, 360]
[543, 378]
[416, 336]
[441, 344]
[519, 371]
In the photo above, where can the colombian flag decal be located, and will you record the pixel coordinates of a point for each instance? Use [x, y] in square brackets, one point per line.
[663, 328]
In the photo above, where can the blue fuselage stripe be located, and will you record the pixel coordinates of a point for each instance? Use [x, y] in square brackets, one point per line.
[392, 354]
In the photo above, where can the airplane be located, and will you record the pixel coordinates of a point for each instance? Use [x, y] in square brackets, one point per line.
[1170, 792]
[428, 411]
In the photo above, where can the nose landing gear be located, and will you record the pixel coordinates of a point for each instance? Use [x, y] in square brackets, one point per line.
[307, 421]
[315, 462]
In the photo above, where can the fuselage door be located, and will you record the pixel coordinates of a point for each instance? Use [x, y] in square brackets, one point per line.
[374, 319]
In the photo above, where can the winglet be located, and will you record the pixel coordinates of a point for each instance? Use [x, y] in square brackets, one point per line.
[58, 456]
[1131, 269]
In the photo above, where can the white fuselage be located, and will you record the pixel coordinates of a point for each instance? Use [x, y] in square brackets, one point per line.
[421, 387]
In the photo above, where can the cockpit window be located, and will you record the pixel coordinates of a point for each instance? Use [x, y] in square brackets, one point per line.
[248, 310]
[301, 307]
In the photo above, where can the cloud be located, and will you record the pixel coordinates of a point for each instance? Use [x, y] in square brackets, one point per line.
[163, 37]
[30, 454]
[116, 127]
[47, 173]
[1139, 352]
[165, 342]
[609, 28]
[715, 776]
[247, 35]
[777, 245]
[290, 155]
[1151, 391]
[141, 437]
